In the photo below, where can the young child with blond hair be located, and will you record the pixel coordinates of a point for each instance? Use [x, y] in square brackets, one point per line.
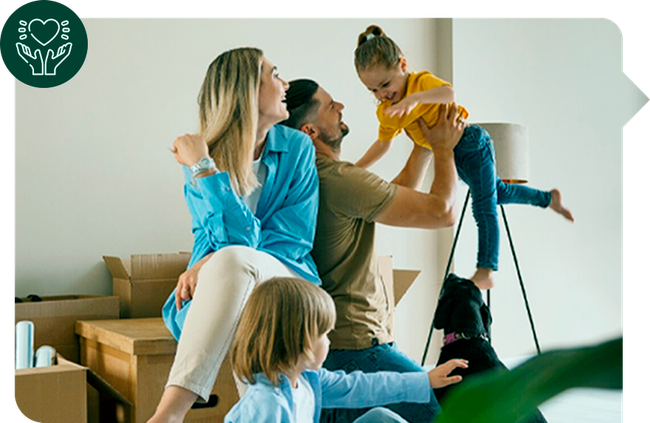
[279, 348]
[407, 96]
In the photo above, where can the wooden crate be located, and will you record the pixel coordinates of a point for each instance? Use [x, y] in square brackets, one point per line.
[135, 356]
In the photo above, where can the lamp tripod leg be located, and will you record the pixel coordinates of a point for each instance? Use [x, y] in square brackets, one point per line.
[451, 257]
[521, 282]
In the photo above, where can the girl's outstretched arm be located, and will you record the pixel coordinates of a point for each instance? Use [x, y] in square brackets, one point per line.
[376, 151]
[439, 377]
[438, 95]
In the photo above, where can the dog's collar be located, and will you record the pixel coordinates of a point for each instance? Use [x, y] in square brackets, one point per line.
[455, 336]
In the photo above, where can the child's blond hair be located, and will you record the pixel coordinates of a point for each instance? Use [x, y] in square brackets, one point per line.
[281, 320]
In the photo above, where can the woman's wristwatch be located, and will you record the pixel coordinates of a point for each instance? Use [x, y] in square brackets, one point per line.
[206, 163]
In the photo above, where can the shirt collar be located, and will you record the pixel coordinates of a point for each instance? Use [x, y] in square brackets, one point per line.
[275, 141]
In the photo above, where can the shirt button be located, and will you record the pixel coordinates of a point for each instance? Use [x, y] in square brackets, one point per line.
[248, 228]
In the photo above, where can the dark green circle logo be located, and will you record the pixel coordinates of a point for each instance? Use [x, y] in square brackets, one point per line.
[44, 44]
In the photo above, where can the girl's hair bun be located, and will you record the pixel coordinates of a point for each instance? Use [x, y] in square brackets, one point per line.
[375, 48]
[371, 32]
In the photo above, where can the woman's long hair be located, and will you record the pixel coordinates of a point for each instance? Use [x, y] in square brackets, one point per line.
[229, 112]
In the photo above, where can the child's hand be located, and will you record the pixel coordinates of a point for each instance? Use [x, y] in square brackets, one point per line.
[404, 107]
[439, 378]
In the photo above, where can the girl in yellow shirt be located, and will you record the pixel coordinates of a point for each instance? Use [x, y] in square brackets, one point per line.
[407, 96]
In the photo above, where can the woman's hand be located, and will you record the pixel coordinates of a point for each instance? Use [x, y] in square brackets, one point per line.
[187, 282]
[439, 377]
[189, 149]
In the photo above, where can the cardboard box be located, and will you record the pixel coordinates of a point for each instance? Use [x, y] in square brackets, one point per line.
[399, 280]
[145, 281]
[135, 357]
[55, 317]
[58, 394]
[55, 394]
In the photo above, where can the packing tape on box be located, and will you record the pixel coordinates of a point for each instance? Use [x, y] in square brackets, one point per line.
[24, 344]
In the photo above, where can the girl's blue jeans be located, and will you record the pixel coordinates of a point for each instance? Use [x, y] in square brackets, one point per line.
[475, 163]
[380, 357]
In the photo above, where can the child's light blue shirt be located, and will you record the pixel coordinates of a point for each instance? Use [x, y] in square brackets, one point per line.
[283, 225]
[266, 403]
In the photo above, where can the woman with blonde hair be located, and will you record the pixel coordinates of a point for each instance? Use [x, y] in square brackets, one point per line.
[252, 190]
[279, 349]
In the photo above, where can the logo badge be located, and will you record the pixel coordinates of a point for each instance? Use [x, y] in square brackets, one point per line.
[44, 44]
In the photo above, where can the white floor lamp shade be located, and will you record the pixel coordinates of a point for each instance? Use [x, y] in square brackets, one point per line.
[511, 148]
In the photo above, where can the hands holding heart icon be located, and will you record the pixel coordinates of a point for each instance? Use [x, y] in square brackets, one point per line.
[43, 32]
[36, 44]
[45, 66]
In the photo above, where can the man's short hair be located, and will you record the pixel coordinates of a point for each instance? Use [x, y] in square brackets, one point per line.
[300, 102]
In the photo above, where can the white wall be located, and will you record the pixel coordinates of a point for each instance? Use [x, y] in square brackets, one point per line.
[93, 172]
[563, 79]
[94, 176]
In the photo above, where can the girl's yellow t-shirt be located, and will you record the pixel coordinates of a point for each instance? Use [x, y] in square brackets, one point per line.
[390, 127]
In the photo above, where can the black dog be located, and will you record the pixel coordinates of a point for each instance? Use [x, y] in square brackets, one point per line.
[465, 319]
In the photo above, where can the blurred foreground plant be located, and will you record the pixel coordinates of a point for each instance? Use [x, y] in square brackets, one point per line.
[512, 396]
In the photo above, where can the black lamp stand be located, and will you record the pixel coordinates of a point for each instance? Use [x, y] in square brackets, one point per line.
[514, 256]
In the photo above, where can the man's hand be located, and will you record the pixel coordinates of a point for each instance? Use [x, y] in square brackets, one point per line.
[439, 377]
[446, 133]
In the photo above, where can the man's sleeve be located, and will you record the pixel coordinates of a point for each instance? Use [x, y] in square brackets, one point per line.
[358, 193]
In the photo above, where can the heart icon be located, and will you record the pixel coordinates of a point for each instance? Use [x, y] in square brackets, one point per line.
[42, 31]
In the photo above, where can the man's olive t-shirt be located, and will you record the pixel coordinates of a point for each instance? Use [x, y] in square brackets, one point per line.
[350, 200]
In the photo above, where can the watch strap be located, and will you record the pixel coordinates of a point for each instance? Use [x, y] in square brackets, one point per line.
[205, 163]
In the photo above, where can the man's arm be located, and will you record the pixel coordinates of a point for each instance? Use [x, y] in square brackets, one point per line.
[412, 175]
[435, 209]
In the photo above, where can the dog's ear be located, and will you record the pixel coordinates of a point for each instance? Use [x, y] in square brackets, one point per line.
[443, 309]
[442, 314]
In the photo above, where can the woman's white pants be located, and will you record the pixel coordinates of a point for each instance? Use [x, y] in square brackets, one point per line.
[224, 284]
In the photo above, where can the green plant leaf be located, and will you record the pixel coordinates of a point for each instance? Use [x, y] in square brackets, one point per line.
[513, 396]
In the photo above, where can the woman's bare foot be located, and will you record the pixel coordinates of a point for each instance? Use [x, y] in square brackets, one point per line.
[556, 205]
[483, 278]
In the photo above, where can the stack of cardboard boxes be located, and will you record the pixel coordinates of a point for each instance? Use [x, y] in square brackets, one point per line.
[123, 349]
[59, 394]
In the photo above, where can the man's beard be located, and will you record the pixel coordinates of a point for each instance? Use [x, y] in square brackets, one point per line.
[334, 141]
